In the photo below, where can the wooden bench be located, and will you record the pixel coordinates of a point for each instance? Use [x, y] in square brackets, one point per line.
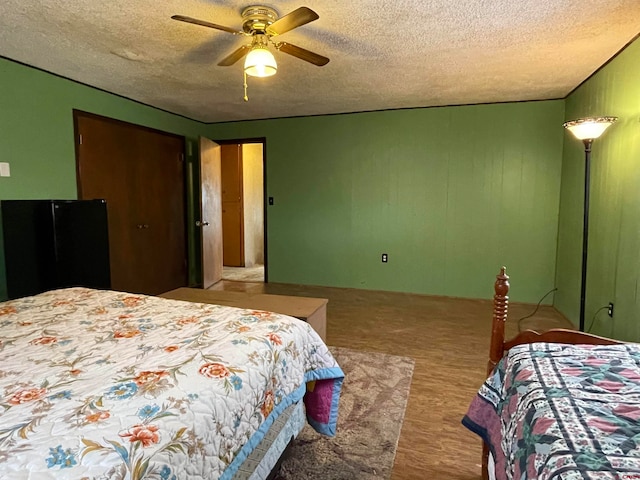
[311, 310]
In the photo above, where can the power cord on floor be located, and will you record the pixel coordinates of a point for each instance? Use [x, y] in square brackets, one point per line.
[536, 309]
[588, 330]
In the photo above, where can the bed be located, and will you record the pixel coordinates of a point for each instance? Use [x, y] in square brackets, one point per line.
[109, 385]
[557, 405]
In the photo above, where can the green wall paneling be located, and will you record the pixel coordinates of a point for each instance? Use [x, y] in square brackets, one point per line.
[431, 187]
[449, 193]
[613, 271]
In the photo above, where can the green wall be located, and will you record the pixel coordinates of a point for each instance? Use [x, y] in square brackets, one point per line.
[450, 193]
[614, 231]
[36, 125]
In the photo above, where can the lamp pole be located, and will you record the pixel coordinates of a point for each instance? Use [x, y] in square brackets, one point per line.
[586, 130]
[585, 227]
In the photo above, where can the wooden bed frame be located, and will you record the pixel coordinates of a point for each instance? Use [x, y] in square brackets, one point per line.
[499, 346]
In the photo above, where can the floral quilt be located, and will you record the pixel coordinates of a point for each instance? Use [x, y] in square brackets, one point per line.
[565, 412]
[110, 385]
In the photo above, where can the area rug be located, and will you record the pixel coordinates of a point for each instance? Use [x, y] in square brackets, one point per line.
[372, 405]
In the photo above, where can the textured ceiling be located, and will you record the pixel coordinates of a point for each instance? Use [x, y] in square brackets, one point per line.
[385, 54]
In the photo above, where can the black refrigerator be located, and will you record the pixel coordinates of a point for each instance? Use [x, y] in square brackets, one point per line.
[51, 244]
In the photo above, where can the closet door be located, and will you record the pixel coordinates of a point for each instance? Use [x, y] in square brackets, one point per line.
[160, 216]
[105, 169]
[140, 173]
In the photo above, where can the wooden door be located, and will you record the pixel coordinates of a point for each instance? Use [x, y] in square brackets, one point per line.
[210, 212]
[232, 206]
[160, 221]
[140, 173]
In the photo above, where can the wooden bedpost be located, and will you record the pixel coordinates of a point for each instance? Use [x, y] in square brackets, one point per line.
[500, 307]
[496, 349]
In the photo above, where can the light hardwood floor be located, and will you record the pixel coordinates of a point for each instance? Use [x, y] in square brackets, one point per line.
[449, 340]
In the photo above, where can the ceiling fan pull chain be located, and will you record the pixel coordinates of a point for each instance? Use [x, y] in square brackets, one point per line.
[246, 98]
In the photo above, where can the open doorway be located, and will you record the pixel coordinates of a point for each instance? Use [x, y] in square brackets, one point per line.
[243, 212]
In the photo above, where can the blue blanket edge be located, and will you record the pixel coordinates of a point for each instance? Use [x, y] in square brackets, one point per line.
[334, 373]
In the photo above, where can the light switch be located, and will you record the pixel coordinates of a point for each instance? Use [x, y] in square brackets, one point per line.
[4, 169]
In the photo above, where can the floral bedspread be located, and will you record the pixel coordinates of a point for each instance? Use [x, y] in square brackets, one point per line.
[563, 412]
[109, 385]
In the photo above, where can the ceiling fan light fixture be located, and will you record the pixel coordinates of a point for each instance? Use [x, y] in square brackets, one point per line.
[260, 62]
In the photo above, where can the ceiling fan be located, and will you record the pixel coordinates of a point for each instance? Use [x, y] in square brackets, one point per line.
[262, 24]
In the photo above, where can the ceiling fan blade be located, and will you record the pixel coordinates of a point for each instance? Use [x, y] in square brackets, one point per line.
[302, 54]
[297, 18]
[234, 56]
[195, 21]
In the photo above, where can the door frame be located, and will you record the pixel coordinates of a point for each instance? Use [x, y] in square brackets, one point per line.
[265, 199]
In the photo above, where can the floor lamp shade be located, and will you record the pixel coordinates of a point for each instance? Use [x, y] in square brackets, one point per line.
[587, 130]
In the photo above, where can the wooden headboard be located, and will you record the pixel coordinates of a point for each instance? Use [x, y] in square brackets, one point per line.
[499, 346]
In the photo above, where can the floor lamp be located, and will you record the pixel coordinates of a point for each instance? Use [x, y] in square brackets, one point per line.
[587, 130]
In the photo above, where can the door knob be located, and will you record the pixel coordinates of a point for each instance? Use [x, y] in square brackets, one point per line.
[201, 224]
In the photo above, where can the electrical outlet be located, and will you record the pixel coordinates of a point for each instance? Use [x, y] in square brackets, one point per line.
[610, 309]
[385, 258]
